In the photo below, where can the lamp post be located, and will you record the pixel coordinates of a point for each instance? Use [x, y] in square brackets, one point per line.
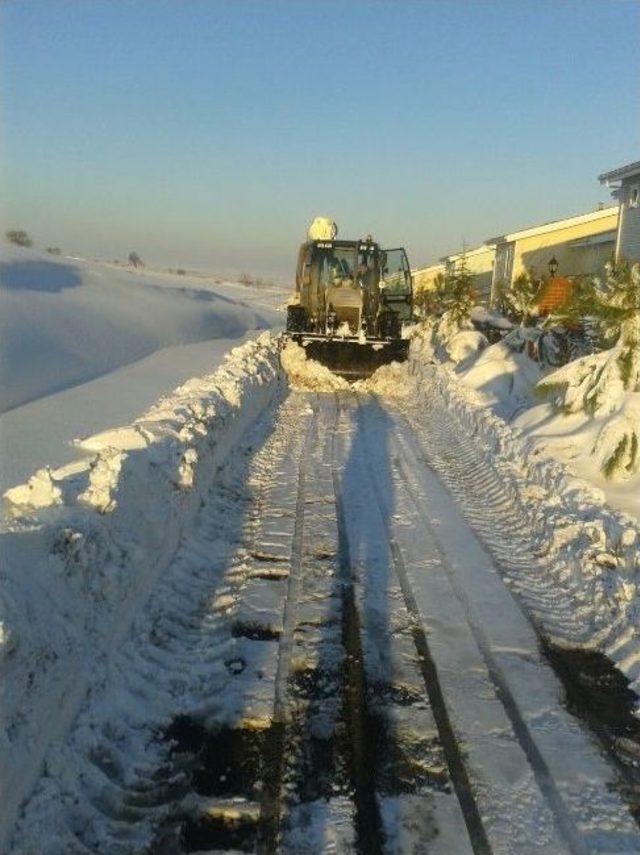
[553, 266]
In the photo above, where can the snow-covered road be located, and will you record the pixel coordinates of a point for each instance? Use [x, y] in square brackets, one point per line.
[343, 655]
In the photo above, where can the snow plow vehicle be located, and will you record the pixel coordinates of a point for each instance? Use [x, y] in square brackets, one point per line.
[351, 300]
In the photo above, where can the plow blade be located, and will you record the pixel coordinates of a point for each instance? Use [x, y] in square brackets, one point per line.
[351, 358]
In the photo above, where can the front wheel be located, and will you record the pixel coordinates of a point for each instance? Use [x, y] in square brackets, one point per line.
[389, 324]
[296, 319]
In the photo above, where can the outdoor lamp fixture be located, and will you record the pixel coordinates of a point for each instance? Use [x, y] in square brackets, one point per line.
[553, 266]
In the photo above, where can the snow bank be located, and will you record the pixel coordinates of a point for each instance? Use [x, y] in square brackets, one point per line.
[505, 378]
[83, 546]
[589, 547]
[465, 343]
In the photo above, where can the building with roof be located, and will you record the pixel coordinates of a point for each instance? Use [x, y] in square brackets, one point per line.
[579, 245]
[478, 261]
[625, 187]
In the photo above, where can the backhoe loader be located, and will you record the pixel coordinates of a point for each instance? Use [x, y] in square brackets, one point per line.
[351, 300]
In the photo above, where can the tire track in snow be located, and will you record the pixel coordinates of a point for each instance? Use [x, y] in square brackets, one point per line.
[558, 785]
[541, 771]
[271, 809]
[450, 744]
[496, 513]
[408, 744]
[367, 818]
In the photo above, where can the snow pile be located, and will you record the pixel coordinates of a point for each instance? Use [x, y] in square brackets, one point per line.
[591, 549]
[307, 373]
[484, 316]
[83, 547]
[456, 338]
[322, 228]
[40, 491]
[448, 340]
[505, 377]
[465, 343]
[389, 381]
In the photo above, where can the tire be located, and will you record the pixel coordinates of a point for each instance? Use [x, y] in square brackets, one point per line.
[389, 324]
[296, 319]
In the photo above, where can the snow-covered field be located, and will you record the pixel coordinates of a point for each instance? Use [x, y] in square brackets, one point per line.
[86, 345]
[171, 580]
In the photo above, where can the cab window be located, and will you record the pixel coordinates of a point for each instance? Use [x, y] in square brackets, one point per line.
[396, 276]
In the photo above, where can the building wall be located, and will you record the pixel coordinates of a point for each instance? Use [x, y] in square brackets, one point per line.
[533, 251]
[424, 277]
[628, 246]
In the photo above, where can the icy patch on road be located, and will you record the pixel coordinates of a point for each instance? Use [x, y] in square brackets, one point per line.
[83, 547]
[306, 373]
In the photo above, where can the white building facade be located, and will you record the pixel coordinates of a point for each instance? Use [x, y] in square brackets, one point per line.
[624, 183]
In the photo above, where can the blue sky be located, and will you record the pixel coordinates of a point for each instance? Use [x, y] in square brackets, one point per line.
[209, 133]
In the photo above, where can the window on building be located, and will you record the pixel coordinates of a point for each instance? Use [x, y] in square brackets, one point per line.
[634, 197]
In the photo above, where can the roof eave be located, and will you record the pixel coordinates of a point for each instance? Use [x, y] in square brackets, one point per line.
[620, 173]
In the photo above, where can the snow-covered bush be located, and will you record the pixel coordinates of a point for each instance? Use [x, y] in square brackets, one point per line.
[607, 383]
[491, 323]
[545, 346]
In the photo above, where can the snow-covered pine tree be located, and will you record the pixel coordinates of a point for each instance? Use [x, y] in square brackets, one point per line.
[518, 300]
[607, 383]
[455, 336]
[458, 297]
[430, 301]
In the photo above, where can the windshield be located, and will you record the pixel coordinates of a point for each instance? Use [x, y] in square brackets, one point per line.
[337, 266]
